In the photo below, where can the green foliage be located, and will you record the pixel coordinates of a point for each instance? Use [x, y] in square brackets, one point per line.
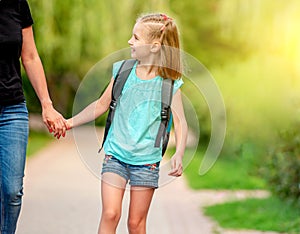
[200, 31]
[283, 171]
[249, 48]
[227, 173]
[270, 214]
[260, 100]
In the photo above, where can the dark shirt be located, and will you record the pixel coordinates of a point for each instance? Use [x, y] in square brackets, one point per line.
[14, 16]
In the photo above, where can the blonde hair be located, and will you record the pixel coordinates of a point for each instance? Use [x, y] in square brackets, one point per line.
[163, 28]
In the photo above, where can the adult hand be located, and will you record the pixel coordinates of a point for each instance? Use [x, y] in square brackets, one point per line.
[54, 121]
[176, 165]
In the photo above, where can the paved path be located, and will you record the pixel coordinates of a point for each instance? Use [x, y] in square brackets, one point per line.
[62, 194]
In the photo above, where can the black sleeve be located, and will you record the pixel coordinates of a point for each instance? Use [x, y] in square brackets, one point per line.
[26, 18]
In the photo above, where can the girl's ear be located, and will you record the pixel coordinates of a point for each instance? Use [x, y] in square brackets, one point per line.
[155, 47]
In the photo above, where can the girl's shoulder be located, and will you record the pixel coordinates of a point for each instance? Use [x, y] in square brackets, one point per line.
[116, 67]
[177, 84]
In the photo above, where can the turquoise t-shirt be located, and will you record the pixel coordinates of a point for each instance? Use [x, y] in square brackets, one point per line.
[136, 121]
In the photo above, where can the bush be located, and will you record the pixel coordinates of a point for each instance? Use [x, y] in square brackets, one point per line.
[283, 171]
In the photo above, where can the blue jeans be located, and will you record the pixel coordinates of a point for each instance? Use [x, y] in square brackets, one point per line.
[13, 142]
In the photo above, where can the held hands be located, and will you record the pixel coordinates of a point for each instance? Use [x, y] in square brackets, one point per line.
[54, 121]
[68, 124]
[176, 165]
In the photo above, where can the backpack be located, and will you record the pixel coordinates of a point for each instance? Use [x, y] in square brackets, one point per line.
[166, 99]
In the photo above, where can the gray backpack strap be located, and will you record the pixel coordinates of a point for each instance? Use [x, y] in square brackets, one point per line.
[119, 82]
[118, 85]
[166, 99]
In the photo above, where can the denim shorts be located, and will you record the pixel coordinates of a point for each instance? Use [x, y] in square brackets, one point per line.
[137, 175]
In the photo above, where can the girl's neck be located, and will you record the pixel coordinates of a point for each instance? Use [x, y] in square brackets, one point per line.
[146, 71]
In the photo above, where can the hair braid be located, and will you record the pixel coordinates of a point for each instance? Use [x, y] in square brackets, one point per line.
[163, 28]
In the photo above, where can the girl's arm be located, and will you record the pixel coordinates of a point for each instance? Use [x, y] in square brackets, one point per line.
[93, 110]
[181, 130]
[35, 72]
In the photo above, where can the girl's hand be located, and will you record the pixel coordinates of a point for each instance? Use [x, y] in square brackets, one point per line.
[69, 124]
[176, 165]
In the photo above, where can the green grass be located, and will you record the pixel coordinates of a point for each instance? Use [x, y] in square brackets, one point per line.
[270, 214]
[36, 141]
[226, 173]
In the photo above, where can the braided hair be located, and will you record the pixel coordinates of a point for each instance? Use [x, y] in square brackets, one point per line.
[163, 28]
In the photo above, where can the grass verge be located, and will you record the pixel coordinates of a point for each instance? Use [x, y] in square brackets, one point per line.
[36, 141]
[270, 214]
[226, 173]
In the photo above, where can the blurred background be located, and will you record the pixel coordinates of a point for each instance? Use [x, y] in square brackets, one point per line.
[251, 48]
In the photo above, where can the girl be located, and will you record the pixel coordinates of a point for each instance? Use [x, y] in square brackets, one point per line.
[130, 154]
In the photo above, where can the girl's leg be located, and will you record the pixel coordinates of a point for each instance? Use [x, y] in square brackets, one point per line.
[112, 191]
[140, 200]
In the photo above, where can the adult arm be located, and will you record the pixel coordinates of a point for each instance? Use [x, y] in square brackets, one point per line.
[181, 130]
[35, 72]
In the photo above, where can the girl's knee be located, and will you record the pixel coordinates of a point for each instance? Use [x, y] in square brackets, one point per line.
[109, 221]
[111, 216]
[136, 225]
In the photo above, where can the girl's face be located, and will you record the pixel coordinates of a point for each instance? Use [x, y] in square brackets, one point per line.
[140, 47]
